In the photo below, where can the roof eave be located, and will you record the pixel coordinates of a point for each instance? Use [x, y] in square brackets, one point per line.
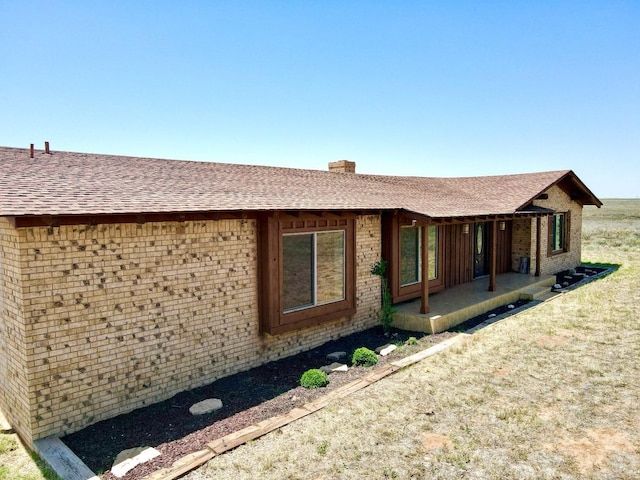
[587, 197]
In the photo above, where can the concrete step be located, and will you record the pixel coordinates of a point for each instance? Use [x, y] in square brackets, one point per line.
[535, 292]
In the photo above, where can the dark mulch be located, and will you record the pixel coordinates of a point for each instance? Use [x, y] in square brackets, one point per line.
[567, 278]
[248, 397]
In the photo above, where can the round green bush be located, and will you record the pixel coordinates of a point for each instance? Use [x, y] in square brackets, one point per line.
[314, 378]
[365, 357]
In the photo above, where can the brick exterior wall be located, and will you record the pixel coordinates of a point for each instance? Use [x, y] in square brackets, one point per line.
[523, 243]
[524, 236]
[14, 396]
[119, 316]
[561, 202]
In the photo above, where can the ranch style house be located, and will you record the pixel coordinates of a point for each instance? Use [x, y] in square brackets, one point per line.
[124, 281]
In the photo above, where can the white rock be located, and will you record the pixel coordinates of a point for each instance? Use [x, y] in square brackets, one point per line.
[557, 285]
[334, 367]
[336, 356]
[131, 458]
[205, 406]
[387, 350]
[511, 306]
[491, 315]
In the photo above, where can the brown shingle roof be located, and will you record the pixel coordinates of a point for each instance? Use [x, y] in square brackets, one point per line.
[65, 183]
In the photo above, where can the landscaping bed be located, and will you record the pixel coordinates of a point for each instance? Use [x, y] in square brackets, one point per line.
[568, 278]
[252, 396]
[248, 398]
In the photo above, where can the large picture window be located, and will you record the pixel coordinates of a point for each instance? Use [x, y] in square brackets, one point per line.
[313, 269]
[411, 256]
[307, 270]
[433, 252]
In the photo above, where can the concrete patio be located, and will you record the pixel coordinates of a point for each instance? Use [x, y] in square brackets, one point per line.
[458, 304]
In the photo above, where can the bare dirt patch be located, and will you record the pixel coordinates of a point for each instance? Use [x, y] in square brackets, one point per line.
[593, 450]
[503, 371]
[435, 441]
[551, 340]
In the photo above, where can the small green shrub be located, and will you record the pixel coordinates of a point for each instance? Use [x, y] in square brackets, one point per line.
[387, 310]
[314, 378]
[365, 357]
[411, 341]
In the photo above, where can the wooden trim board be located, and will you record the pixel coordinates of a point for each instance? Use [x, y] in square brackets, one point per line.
[63, 461]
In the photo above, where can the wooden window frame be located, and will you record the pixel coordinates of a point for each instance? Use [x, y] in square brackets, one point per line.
[273, 319]
[391, 250]
[566, 225]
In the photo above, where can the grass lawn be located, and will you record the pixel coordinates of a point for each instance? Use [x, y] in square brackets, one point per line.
[16, 463]
[551, 393]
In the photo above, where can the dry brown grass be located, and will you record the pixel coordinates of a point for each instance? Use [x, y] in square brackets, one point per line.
[551, 393]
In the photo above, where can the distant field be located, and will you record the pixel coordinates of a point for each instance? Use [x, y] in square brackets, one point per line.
[610, 230]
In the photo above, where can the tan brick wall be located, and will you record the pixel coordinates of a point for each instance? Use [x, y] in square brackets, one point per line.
[523, 243]
[524, 236]
[561, 202]
[120, 316]
[13, 351]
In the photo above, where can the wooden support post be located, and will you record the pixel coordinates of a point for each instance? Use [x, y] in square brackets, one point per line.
[493, 250]
[538, 249]
[424, 308]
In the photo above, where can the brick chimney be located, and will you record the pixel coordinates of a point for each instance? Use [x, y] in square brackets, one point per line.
[342, 166]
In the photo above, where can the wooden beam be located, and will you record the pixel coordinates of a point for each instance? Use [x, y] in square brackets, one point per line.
[493, 250]
[538, 249]
[424, 307]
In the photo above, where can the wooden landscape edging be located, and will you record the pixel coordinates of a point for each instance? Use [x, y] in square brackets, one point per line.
[228, 442]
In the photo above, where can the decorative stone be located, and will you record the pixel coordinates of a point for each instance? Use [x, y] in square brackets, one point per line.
[491, 315]
[385, 350]
[557, 286]
[511, 306]
[565, 284]
[335, 356]
[205, 406]
[334, 367]
[131, 458]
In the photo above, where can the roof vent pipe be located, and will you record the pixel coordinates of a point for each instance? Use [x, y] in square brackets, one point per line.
[31, 152]
[46, 147]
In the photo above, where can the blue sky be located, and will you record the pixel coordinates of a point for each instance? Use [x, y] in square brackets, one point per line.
[400, 87]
